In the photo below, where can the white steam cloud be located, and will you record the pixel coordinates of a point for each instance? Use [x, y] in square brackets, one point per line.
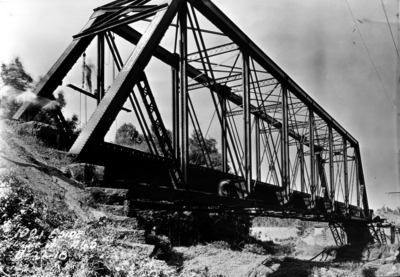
[52, 105]
[9, 94]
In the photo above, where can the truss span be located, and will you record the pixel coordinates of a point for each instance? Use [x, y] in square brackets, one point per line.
[282, 154]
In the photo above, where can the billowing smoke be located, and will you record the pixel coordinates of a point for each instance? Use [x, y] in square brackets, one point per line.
[52, 105]
[10, 97]
[8, 93]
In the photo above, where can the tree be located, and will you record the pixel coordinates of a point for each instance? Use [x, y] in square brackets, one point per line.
[14, 75]
[15, 81]
[73, 124]
[199, 152]
[127, 135]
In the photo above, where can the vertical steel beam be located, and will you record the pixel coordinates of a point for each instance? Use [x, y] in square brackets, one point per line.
[183, 91]
[302, 179]
[312, 156]
[363, 191]
[346, 178]
[285, 141]
[175, 111]
[331, 167]
[224, 141]
[392, 234]
[246, 119]
[100, 67]
[258, 149]
[357, 180]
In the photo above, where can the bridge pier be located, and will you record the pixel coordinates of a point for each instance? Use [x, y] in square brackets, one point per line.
[357, 233]
[354, 233]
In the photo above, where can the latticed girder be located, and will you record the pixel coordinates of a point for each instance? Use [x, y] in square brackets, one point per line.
[376, 234]
[338, 233]
[383, 236]
[160, 131]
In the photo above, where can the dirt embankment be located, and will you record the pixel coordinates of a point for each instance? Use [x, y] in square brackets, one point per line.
[39, 168]
[91, 241]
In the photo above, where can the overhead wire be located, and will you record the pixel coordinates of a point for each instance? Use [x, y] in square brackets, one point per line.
[390, 29]
[6, 8]
[372, 61]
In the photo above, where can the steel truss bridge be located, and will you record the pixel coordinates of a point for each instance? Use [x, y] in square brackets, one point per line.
[287, 156]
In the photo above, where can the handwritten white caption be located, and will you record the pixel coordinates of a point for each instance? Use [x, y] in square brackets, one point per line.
[69, 238]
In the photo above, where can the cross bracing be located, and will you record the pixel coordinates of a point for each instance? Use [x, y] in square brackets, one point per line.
[286, 154]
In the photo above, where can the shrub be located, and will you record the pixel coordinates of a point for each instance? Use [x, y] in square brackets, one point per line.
[368, 271]
[189, 228]
[30, 245]
[254, 248]
[292, 268]
[302, 227]
[285, 249]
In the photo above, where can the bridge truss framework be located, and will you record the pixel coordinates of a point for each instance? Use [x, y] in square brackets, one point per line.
[288, 156]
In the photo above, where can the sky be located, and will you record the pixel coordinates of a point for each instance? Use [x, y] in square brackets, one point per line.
[349, 66]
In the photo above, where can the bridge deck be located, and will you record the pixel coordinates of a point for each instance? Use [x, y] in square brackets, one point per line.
[146, 176]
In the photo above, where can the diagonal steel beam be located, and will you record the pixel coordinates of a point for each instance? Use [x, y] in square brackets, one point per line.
[118, 93]
[275, 107]
[131, 8]
[91, 95]
[260, 84]
[222, 80]
[56, 74]
[214, 51]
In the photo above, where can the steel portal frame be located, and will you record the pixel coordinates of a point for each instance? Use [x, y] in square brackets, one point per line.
[281, 124]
